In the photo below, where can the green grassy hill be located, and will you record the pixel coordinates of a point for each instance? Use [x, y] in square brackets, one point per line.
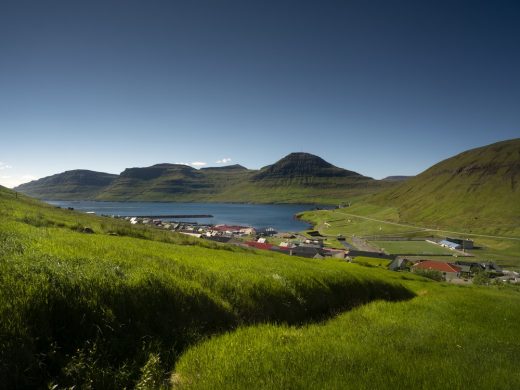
[478, 190]
[92, 310]
[298, 177]
[124, 306]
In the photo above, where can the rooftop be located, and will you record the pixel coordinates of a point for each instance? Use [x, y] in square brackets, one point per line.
[437, 265]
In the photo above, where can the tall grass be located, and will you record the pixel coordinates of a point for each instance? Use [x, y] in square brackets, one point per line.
[447, 338]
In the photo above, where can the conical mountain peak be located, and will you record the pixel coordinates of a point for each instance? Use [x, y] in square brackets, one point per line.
[301, 164]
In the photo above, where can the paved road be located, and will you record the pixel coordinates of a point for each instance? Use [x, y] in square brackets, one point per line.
[428, 229]
[347, 245]
[363, 245]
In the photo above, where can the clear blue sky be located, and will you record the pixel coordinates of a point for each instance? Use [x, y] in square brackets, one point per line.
[378, 87]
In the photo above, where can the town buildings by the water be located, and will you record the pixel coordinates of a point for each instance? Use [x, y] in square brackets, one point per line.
[312, 246]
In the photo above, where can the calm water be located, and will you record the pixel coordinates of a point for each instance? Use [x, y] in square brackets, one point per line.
[280, 217]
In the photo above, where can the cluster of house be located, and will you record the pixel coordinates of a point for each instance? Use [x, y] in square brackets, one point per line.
[247, 236]
[221, 233]
[457, 270]
[250, 237]
[305, 248]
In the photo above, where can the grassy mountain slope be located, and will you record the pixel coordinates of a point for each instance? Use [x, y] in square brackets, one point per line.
[298, 177]
[301, 167]
[95, 310]
[76, 184]
[303, 177]
[160, 181]
[478, 190]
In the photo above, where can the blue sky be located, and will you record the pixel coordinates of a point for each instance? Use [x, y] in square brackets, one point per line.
[378, 87]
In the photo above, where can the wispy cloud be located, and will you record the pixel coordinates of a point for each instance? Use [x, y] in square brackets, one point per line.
[3, 166]
[193, 164]
[223, 161]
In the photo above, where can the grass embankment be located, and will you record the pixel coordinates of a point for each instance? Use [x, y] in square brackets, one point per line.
[446, 338]
[377, 222]
[105, 311]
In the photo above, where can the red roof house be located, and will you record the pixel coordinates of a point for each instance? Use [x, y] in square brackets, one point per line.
[450, 271]
[259, 245]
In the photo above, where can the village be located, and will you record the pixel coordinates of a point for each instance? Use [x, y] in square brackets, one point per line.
[312, 245]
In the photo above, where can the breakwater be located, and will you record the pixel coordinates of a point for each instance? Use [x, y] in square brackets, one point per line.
[174, 216]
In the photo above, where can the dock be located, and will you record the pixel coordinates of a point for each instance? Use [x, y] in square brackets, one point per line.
[172, 216]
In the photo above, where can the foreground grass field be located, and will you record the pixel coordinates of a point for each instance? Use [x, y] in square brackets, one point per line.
[446, 338]
[115, 308]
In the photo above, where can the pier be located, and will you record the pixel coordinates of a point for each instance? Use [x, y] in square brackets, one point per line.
[178, 216]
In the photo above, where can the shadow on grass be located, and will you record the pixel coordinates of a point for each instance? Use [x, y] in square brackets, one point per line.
[97, 326]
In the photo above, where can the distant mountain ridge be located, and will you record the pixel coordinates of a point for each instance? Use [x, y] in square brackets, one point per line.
[298, 177]
[397, 178]
[74, 184]
[478, 185]
[225, 168]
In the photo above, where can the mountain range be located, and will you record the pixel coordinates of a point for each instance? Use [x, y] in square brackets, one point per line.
[298, 177]
[478, 188]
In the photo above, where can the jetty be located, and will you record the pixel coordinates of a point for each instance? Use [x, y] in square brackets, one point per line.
[174, 216]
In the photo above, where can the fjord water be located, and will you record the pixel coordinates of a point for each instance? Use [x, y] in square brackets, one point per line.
[279, 216]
